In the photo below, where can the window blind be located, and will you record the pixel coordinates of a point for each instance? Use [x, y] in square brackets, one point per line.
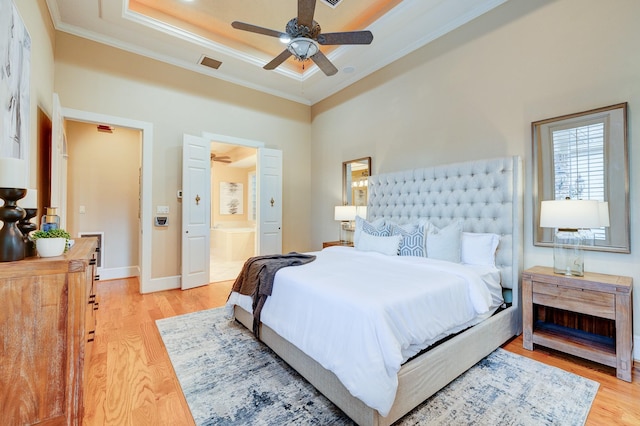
[579, 164]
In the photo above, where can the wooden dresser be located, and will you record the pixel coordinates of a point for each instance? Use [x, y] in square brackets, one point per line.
[47, 322]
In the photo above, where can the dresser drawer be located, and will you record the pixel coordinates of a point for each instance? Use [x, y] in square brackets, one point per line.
[588, 302]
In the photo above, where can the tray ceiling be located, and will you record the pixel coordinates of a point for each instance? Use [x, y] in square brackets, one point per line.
[185, 32]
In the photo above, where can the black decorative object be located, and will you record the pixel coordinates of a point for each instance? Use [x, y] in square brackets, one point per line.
[25, 225]
[12, 246]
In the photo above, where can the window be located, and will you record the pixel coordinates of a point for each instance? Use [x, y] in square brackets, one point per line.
[578, 164]
[584, 156]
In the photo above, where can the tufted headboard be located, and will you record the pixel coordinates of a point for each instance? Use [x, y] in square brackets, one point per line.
[486, 195]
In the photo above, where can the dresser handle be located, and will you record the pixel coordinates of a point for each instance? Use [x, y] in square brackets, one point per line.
[92, 261]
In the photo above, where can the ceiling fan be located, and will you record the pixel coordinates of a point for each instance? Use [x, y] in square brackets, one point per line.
[303, 35]
[221, 158]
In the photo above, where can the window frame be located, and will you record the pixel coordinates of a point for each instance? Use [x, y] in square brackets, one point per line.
[616, 169]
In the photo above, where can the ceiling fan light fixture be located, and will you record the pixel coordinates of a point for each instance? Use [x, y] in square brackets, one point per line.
[303, 48]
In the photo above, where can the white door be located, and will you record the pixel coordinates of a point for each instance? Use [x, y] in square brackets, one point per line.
[270, 196]
[58, 163]
[196, 211]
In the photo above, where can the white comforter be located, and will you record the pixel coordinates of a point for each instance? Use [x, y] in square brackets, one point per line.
[362, 314]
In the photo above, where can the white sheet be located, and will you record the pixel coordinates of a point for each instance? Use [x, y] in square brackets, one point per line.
[362, 314]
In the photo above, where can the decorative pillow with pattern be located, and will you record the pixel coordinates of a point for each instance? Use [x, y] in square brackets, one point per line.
[412, 243]
[376, 228]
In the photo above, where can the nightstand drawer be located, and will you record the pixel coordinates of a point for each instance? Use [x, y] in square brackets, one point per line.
[588, 302]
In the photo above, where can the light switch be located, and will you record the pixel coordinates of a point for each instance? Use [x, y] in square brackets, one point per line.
[162, 209]
[83, 210]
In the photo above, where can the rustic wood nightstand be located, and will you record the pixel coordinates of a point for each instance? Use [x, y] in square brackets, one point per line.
[337, 243]
[596, 295]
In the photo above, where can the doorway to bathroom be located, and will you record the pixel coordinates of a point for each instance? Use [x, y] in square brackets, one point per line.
[233, 209]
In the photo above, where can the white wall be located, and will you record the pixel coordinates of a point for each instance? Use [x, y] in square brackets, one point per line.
[474, 93]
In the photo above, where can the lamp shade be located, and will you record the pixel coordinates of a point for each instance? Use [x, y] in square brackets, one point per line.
[345, 213]
[13, 173]
[571, 214]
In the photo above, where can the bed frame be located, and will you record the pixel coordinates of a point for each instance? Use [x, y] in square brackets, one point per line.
[487, 196]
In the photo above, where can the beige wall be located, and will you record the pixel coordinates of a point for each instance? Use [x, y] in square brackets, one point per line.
[96, 78]
[474, 93]
[102, 176]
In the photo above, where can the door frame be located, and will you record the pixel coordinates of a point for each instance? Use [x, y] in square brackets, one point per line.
[146, 209]
[232, 140]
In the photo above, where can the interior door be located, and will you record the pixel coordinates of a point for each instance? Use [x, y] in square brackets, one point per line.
[58, 195]
[196, 211]
[270, 195]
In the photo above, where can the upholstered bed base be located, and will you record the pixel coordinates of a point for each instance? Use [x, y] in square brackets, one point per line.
[418, 379]
[486, 195]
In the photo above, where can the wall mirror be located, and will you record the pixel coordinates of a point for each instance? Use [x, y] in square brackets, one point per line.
[355, 174]
[584, 156]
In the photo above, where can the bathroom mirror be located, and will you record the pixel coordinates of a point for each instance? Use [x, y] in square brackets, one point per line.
[584, 156]
[355, 174]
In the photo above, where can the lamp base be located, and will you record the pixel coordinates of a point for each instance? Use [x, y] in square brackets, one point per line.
[11, 239]
[568, 255]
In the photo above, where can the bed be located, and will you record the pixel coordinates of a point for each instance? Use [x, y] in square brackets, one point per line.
[483, 197]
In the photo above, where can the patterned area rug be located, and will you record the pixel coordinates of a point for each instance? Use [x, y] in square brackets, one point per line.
[229, 378]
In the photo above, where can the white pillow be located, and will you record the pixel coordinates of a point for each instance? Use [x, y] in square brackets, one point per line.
[377, 227]
[445, 243]
[385, 245]
[479, 248]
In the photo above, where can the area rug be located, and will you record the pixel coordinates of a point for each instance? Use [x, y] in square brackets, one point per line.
[229, 378]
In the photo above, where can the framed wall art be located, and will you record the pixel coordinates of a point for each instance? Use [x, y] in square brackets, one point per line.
[15, 58]
[231, 196]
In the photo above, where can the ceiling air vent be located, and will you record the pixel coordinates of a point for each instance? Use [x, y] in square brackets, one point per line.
[209, 62]
[331, 3]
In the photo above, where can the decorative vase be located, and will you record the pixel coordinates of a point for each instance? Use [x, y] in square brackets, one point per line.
[49, 247]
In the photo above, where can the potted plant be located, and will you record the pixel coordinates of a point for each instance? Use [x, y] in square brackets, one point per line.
[52, 242]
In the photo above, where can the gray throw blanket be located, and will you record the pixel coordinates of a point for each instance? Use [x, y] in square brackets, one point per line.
[257, 275]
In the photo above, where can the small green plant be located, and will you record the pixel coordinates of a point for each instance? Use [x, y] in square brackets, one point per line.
[51, 233]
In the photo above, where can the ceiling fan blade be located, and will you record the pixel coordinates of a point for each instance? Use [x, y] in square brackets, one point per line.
[306, 9]
[349, 37]
[256, 29]
[278, 60]
[324, 64]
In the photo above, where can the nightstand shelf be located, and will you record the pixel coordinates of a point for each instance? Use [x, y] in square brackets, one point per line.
[580, 343]
[601, 297]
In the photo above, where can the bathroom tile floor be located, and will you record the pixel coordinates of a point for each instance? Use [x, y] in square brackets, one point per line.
[224, 270]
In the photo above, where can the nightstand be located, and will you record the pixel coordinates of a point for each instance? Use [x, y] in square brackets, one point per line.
[594, 296]
[337, 243]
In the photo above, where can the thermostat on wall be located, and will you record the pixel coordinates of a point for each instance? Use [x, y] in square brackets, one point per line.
[162, 221]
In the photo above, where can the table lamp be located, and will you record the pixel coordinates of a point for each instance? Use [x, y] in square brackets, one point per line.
[573, 220]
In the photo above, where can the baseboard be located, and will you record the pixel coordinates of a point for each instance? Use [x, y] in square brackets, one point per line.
[118, 273]
[161, 284]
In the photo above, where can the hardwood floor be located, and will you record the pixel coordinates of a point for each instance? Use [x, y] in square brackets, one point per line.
[131, 380]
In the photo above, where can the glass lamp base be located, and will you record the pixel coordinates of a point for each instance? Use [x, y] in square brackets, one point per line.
[568, 255]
